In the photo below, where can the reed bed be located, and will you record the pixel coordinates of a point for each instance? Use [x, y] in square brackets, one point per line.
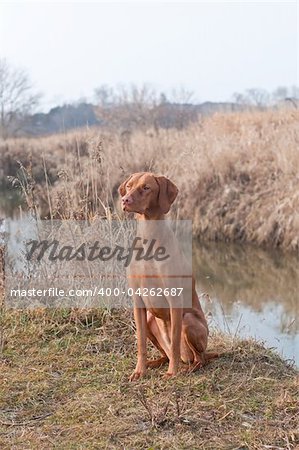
[64, 373]
[237, 173]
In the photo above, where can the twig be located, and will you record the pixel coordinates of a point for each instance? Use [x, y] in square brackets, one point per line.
[20, 424]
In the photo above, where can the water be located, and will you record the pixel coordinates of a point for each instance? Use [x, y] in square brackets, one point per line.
[10, 202]
[254, 293]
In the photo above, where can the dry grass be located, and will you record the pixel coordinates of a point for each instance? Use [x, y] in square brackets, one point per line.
[237, 173]
[64, 385]
[63, 374]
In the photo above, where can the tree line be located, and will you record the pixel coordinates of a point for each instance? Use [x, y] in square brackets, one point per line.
[126, 106]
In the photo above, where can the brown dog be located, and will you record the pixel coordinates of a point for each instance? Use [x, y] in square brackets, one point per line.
[178, 332]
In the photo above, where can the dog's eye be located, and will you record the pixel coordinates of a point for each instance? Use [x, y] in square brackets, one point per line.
[146, 188]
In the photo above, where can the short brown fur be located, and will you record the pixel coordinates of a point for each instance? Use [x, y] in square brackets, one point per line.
[178, 333]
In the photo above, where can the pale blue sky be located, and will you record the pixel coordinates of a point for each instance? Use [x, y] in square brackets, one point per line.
[213, 49]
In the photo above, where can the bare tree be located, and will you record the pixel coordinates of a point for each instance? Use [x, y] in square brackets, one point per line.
[183, 111]
[280, 93]
[17, 99]
[104, 95]
[283, 93]
[239, 98]
[255, 97]
[258, 97]
[294, 92]
[181, 95]
[126, 107]
[130, 107]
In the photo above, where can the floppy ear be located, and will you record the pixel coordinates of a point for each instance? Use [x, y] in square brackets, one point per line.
[122, 187]
[167, 194]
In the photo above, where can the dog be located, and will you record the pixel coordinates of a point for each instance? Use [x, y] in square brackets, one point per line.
[178, 331]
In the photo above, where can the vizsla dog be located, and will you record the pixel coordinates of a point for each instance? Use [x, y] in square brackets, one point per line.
[178, 331]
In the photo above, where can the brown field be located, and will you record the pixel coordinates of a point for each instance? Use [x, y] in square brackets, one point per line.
[64, 385]
[64, 374]
[237, 173]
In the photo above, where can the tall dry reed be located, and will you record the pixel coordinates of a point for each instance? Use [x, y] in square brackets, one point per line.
[237, 173]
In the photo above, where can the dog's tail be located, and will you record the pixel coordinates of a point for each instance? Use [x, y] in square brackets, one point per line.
[211, 355]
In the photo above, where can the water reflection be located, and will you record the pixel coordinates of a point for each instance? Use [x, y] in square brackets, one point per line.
[10, 201]
[253, 292]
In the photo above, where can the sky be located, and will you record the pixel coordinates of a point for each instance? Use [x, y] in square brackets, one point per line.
[211, 48]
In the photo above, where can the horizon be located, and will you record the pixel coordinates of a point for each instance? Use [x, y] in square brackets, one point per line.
[79, 102]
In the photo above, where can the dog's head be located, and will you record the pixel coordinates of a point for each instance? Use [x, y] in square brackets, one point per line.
[146, 193]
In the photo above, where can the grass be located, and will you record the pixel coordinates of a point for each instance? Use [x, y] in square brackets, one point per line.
[64, 384]
[64, 374]
[237, 173]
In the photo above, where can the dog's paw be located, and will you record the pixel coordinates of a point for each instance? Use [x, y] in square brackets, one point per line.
[137, 374]
[169, 375]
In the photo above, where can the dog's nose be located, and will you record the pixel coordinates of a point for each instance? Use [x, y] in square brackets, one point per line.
[127, 200]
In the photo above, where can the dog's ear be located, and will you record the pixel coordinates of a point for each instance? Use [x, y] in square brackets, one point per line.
[122, 187]
[167, 193]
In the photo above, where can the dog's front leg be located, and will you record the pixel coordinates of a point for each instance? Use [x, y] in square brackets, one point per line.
[140, 321]
[176, 316]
